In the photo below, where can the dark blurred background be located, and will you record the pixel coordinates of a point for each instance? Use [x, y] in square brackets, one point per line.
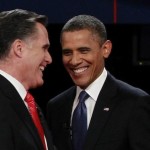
[128, 27]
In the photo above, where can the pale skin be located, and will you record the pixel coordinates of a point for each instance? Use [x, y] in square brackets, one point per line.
[28, 58]
[83, 56]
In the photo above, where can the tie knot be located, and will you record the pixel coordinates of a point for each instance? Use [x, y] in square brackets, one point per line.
[83, 96]
[29, 98]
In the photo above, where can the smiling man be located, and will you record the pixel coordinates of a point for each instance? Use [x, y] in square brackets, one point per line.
[113, 115]
[24, 55]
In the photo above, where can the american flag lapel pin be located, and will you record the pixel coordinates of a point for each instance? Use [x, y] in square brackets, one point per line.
[106, 109]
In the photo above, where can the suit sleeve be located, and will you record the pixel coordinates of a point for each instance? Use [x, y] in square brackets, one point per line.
[6, 139]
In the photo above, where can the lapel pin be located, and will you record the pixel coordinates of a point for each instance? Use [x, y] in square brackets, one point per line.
[106, 109]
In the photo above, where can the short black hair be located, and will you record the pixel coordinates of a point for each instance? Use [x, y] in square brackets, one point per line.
[88, 22]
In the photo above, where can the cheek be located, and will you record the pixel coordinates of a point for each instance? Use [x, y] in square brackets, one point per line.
[98, 63]
[65, 60]
[94, 58]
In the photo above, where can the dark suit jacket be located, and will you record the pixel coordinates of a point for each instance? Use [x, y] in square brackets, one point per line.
[125, 126]
[17, 130]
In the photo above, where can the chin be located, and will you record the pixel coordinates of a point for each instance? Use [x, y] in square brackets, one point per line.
[38, 84]
[81, 85]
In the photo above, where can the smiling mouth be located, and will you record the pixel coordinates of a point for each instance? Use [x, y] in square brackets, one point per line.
[79, 70]
[42, 68]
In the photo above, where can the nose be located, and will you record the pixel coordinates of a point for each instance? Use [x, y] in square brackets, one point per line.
[48, 58]
[75, 59]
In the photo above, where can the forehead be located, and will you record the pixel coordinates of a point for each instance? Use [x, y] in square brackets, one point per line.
[39, 37]
[41, 29]
[41, 33]
[79, 36]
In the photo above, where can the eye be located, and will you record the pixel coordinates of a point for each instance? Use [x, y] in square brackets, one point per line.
[66, 52]
[84, 50]
[45, 47]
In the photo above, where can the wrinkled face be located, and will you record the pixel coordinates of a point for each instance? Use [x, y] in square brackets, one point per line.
[36, 57]
[83, 56]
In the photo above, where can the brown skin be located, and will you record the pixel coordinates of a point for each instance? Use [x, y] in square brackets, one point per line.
[28, 58]
[83, 56]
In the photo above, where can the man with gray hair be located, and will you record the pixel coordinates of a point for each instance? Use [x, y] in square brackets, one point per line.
[24, 55]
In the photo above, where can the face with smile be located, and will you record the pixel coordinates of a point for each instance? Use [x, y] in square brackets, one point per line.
[83, 56]
[35, 58]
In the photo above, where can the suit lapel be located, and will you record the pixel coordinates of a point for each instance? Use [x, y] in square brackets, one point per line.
[46, 129]
[17, 104]
[102, 111]
[65, 120]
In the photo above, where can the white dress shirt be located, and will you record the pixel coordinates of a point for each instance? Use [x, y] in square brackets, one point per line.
[93, 90]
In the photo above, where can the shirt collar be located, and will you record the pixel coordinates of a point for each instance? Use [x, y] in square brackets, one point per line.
[95, 87]
[18, 86]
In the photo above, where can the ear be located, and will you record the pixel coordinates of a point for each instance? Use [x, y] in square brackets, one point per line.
[17, 47]
[107, 46]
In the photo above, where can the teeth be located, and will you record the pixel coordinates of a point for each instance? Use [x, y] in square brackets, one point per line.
[41, 68]
[80, 70]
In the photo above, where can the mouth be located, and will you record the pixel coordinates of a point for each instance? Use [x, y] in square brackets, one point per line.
[79, 70]
[42, 68]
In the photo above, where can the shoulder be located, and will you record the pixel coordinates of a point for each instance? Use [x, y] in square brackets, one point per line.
[63, 96]
[124, 87]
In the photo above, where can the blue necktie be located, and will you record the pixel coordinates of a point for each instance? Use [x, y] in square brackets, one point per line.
[79, 122]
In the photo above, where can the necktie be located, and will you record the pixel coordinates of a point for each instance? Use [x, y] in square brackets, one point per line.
[79, 122]
[35, 117]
